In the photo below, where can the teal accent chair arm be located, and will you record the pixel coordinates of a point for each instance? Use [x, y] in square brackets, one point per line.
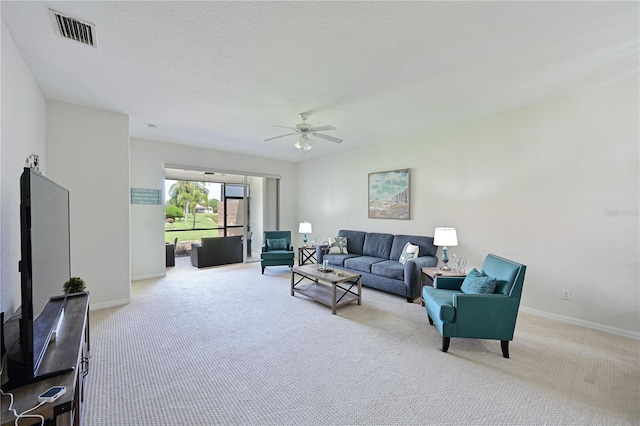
[448, 283]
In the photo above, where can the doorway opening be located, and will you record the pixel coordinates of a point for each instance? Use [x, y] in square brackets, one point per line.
[201, 204]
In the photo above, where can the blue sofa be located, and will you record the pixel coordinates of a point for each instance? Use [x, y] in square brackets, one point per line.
[376, 257]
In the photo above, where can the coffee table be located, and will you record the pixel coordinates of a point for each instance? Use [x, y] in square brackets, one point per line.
[332, 288]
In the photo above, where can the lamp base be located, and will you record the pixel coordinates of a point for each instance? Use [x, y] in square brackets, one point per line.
[445, 260]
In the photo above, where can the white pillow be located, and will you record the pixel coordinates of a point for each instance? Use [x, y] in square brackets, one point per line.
[338, 245]
[408, 252]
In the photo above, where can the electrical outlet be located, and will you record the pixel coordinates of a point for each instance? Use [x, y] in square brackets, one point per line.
[566, 294]
[148, 261]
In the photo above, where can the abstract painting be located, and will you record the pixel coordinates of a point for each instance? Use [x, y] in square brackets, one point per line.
[389, 194]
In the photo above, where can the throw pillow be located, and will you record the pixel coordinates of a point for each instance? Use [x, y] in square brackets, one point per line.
[338, 245]
[502, 287]
[478, 283]
[277, 244]
[408, 252]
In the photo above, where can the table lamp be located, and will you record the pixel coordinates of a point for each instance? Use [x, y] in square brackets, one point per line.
[445, 237]
[305, 228]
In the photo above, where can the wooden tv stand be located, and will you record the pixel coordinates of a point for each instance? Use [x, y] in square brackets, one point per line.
[71, 344]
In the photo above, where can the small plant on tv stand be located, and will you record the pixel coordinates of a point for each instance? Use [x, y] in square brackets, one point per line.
[74, 285]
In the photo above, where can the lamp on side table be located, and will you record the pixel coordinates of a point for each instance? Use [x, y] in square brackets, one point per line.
[305, 228]
[445, 237]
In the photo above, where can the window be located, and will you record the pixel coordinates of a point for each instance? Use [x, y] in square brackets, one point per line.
[202, 209]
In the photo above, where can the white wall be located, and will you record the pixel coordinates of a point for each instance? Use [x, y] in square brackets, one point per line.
[148, 159]
[88, 153]
[554, 186]
[23, 133]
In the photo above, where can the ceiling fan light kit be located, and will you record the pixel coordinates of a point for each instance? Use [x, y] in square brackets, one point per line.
[305, 130]
[304, 143]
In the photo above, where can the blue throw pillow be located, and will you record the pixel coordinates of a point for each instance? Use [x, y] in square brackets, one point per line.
[277, 244]
[477, 283]
[502, 287]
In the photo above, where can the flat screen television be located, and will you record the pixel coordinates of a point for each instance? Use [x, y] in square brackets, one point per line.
[45, 266]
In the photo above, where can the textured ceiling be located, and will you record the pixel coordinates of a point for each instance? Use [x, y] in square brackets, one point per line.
[220, 74]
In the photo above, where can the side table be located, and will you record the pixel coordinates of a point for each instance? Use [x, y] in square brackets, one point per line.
[307, 254]
[432, 272]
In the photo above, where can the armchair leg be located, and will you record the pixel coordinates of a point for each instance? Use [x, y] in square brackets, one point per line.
[430, 320]
[445, 343]
[504, 344]
[263, 270]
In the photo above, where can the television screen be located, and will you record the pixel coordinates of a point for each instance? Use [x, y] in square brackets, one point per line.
[46, 263]
[45, 266]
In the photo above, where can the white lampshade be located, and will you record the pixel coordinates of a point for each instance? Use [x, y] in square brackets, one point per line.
[445, 237]
[305, 228]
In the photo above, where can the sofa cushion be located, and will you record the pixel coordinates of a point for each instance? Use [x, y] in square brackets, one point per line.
[355, 240]
[277, 244]
[338, 245]
[478, 283]
[377, 245]
[389, 269]
[338, 259]
[361, 263]
[440, 302]
[425, 243]
[409, 252]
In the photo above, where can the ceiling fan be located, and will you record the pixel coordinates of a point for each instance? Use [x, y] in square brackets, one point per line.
[304, 131]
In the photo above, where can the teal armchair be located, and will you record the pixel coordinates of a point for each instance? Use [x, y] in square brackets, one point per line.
[466, 311]
[277, 249]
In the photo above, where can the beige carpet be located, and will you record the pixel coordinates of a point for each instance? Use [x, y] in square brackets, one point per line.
[227, 345]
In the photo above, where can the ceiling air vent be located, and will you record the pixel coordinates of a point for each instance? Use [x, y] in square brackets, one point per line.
[74, 29]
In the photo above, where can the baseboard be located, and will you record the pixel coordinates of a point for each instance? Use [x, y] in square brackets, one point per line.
[146, 277]
[582, 323]
[111, 304]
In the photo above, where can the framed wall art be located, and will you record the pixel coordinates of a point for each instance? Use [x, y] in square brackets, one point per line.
[389, 194]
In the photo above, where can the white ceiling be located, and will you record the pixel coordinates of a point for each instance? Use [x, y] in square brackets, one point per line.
[220, 74]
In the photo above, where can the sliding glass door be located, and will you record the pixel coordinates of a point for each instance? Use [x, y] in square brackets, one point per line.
[234, 205]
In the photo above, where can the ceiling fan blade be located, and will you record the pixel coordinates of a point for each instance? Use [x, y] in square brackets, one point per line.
[322, 128]
[328, 138]
[287, 127]
[281, 136]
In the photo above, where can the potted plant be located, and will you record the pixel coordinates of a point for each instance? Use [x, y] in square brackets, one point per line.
[74, 285]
